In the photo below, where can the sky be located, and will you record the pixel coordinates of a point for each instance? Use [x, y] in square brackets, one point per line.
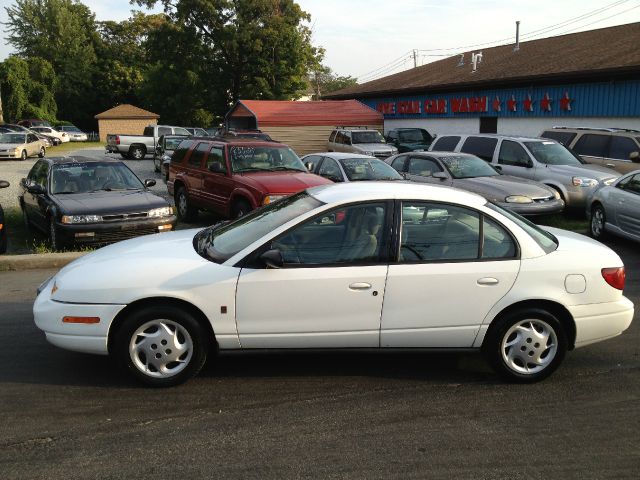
[372, 38]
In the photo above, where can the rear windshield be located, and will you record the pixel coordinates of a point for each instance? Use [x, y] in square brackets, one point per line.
[546, 240]
[367, 137]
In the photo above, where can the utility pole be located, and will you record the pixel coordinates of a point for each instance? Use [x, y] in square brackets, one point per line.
[415, 58]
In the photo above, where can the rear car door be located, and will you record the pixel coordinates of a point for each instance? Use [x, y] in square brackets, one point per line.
[194, 172]
[218, 183]
[593, 147]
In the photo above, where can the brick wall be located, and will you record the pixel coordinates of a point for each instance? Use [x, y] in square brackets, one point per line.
[125, 126]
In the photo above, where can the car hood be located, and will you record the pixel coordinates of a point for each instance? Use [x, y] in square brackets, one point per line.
[374, 147]
[283, 182]
[501, 186]
[588, 170]
[103, 203]
[149, 266]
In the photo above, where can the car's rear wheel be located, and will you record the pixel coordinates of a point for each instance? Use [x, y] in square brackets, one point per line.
[186, 211]
[136, 153]
[525, 346]
[597, 222]
[23, 155]
[241, 208]
[161, 345]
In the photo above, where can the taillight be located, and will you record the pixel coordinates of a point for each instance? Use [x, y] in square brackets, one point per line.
[614, 277]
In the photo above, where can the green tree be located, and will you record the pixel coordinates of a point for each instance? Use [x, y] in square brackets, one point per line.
[63, 32]
[324, 81]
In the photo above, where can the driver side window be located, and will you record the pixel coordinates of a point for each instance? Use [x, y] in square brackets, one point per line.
[330, 169]
[512, 153]
[345, 236]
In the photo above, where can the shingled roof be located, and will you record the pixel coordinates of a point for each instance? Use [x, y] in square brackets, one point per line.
[578, 56]
[126, 111]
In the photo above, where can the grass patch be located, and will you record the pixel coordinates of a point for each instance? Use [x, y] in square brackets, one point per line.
[72, 147]
[566, 222]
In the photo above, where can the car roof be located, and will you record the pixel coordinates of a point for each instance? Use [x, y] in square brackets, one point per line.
[341, 155]
[439, 154]
[498, 136]
[376, 190]
[239, 141]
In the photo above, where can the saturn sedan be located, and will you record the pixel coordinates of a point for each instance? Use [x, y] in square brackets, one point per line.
[471, 173]
[350, 265]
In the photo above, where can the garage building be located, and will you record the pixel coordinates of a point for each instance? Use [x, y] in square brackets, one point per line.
[583, 79]
[304, 126]
[125, 119]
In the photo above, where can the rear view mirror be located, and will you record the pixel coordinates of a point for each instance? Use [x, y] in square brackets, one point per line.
[309, 166]
[634, 157]
[272, 258]
[4, 184]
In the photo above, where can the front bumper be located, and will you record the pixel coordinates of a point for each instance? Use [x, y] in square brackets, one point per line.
[599, 321]
[6, 154]
[110, 232]
[536, 208]
[87, 338]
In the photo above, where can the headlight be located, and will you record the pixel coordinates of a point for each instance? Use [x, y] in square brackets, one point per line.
[272, 198]
[369, 153]
[518, 199]
[584, 181]
[44, 284]
[12, 151]
[609, 181]
[160, 212]
[81, 218]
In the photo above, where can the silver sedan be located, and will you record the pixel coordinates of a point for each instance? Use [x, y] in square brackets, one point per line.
[616, 208]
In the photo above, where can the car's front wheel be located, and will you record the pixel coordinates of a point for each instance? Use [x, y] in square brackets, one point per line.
[42, 153]
[597, 221]
[525, 346]
[161, 345]
[241, 208]
[23, 155]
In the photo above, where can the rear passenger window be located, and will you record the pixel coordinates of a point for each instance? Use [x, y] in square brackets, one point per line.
[446, 144]
[622, 147]
[179, 153]
[512, 153]
[496, 241]
[563, 137]
[592, 145]
[197, 155]
[424, 167]
[482, 147]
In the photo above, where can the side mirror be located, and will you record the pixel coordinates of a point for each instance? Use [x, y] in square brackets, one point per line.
[23, 182]
[634, 157]
[4, 184]
[497, 168]
[529, 163]
[272, 258]
[36, 189]
[159, 149]
[440, 175]
[217, 167]
[309, 166]
[149, 182]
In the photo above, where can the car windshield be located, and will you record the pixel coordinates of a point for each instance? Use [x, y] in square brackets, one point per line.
[251, 158]
[414, 136]
[220, 242]
[92, 177]
[13, 138]
[468, 166]
[546, 240]
[368, 169]
[367, 137]
[552, 153]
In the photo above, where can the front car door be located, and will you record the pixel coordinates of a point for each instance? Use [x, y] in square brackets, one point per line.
[514, 160]
[194, 172]
[36, 205]
[330, 170]
[453, 265]
[218, 184]
[626, 200]
[329, 292]
[421, 169]
[593, 147]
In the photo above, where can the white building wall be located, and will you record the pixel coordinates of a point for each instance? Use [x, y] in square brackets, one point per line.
[510, 126]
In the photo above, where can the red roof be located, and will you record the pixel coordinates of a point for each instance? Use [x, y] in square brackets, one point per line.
[273, 113]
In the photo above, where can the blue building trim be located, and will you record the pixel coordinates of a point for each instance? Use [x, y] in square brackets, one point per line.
[605, 99]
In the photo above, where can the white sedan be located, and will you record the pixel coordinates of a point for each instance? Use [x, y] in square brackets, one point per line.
[52, 132]
[350, 265]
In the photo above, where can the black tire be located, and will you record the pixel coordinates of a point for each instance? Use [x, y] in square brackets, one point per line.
[54, 236]
[175, 327]
[23, 155]
[240, 208]
[597, 222]
[42, 153]
[136, 153]
[525, 346]
[186, 212]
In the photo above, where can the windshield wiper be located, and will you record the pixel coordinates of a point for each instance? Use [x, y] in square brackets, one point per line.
[66, 192]
[280, 167]
[251, 169]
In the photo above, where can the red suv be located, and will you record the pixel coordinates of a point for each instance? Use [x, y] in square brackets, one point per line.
[233, 176]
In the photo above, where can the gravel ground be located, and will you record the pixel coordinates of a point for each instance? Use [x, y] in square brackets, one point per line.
[14, 170]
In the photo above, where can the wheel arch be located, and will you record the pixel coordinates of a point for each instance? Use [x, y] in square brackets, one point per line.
[242, 194]
[136, 145]
[121, 317]
[556, 309]
[561, 189]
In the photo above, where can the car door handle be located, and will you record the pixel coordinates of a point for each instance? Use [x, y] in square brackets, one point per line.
[610, 165]
[360, 286]
[488, 281]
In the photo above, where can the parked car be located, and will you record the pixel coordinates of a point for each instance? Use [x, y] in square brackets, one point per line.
[167, 144]
[75, 134]
[3, 226]
[468, 172]
[616, 208]
[136, 147]
[348, 265]
[360, 140]
[85, 201]
[349, 167]
[233, 133]
[21, 145]
[34, 122]
[197, 131]
[52, 132]
[47, 140]
[233, 177]
[542, 160]
[409, 139]
[617, 148]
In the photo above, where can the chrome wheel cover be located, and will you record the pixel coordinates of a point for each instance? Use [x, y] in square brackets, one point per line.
[183, 205]
[597, 222]
[161, 348]
[529, 346]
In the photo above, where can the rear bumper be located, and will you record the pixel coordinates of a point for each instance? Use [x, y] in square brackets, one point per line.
[110, 232]
[600, 321]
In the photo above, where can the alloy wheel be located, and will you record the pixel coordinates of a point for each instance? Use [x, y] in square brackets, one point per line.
[597, 222]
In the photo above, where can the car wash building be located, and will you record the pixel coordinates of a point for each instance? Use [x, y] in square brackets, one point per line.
[589, 79]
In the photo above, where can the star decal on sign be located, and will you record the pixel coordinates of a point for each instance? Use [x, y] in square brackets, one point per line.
[545, 103]
[565, 102]
[527, 104]
[512, 104]
[496, 104]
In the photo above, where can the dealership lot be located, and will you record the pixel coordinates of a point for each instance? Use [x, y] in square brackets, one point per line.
[329, 415]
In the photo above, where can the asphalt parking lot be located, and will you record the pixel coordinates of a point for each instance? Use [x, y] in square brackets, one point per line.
[333, 415]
